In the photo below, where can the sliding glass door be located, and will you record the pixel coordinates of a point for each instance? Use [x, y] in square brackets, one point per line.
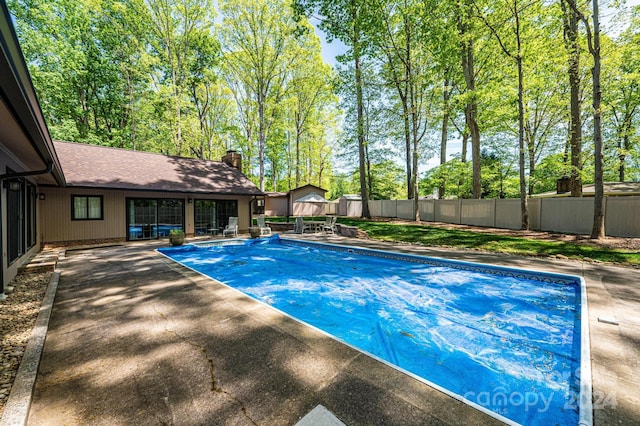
[213, 215]
[15, 220]
[153, 218]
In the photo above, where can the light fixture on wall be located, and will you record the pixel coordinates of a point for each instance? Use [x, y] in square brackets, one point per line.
[42, 196]
[189, 200]
[12, 185]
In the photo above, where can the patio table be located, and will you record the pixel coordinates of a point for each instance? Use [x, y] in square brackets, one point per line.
[314, 225]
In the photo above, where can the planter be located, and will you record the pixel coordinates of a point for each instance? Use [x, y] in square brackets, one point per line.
[176, 238]
[254, 231]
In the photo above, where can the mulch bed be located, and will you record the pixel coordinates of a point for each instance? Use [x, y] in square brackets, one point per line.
[18, 315]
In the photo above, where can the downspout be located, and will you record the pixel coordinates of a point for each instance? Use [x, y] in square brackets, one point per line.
[49, 169]
[251, 204]
[288, 205]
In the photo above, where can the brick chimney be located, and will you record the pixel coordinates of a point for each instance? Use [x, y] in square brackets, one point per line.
[233, 159]
[563, 185]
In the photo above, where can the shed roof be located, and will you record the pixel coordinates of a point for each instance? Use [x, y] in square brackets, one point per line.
[113, 168]
[276, 194]
[309, 186]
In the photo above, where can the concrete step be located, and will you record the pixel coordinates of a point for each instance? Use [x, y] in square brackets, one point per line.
[45, 261]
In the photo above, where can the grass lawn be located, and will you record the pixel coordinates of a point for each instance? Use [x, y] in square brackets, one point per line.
[436, 236]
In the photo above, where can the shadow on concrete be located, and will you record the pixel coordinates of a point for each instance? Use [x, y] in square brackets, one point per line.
[136, 339]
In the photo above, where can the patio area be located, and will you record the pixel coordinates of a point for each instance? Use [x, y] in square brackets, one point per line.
[136, 339]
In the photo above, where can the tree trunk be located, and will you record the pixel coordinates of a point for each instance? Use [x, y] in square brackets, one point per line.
[414, 121]
[524, 210]
[297, 158]
[361, 143]
[407, 141]
[571, 33]
[624, 145]
[446, 95]
[598, 213]
[621, 159]
[471, 107]
[261, 137]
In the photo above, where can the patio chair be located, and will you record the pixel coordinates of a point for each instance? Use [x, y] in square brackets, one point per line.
[231, 228]
[300, 225]
[264, 229]
[330, 224]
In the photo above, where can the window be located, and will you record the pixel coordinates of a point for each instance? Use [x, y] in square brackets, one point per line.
[86, 207]
[258, 206]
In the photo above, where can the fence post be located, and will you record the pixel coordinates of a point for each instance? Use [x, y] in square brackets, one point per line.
[604, 213]
[495, 211]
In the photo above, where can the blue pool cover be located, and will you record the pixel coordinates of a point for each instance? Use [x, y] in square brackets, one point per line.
[505, 341]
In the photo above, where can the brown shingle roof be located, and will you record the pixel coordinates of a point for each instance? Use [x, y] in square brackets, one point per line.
[609, 188]
[104, 167]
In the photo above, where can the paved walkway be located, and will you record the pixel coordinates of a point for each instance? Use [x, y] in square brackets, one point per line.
[136, 339]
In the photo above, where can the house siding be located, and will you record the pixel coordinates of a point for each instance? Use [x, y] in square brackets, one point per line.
[57, 226]
[276, 206]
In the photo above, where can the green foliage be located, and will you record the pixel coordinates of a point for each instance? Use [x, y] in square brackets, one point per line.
[162, 76]
[455, 172]
[151, 75]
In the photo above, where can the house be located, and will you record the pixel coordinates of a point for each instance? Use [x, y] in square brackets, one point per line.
[283, 203]
[27, 157]
[611, 189]
[61, 192]
[115, 194]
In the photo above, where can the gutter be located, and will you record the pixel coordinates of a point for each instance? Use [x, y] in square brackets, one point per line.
[49, 169]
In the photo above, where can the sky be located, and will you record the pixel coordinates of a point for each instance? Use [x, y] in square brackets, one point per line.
[332, 49]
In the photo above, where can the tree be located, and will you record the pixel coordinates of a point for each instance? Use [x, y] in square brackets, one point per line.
[88, 63]
[344, 20]
[466, 35]
[309, 90]
[622, 96]
[181, 38]
[515, 10]
[397, 34]
[257, 37]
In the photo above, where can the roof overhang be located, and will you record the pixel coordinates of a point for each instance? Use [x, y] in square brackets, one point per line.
[23, 134]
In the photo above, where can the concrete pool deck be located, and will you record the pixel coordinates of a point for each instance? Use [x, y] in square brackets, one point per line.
[136, 339]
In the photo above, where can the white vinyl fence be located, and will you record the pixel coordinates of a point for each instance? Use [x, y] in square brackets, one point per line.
[563, 215]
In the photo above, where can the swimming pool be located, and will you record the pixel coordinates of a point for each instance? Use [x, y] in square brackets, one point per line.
[512, 343]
